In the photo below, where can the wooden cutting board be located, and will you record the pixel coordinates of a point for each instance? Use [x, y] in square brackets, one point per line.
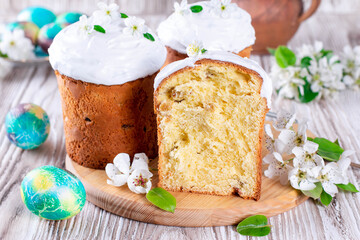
[192, 210]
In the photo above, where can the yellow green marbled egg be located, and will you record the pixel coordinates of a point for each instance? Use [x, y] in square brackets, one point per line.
[53, 193]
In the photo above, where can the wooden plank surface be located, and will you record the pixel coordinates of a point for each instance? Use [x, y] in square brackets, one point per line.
[337, 24]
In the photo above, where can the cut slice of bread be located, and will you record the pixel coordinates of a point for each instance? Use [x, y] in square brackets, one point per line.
[210, 119]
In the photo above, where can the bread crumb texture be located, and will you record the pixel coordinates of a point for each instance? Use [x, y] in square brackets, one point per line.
[210, 121]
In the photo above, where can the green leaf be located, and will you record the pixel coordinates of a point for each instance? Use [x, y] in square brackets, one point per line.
[162, 199]
[325, 53]
[196, 8]
[305, 62]
[123, 15]
[325, 198]
[149, 36]
[315, 193]
[285, 57]
[3, 55]
[256, 226]
[308, 95]
[203, 50]
[99, 28]
[348, 187]
[271, 51]
[328, 150]
[337, 142]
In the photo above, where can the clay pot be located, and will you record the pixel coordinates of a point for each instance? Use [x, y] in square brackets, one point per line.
[275, 21]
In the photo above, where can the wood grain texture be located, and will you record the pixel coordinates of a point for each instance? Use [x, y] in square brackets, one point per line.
[335, 23]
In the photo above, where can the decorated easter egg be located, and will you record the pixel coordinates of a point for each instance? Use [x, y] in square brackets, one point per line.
[47, 34]
[52, 193]
[39, 52]
[31, 30]
[27, 125]
[38, 15]
[68, 18]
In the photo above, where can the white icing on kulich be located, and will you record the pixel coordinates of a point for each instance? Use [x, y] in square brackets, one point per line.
[266, 89]
[119, 55]
[229, 30]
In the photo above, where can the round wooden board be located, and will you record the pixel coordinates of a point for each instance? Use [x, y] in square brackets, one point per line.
[192, 210]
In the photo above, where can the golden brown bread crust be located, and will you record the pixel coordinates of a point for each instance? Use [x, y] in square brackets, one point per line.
[101, 121]
[257, 193]
[173, 55]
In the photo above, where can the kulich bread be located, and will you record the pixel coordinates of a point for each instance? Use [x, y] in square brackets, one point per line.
[173, 55]
[105, 80]
[210, 117]
[101, 121]
[217, 30]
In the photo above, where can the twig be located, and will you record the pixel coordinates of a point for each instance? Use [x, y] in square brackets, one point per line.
[355, 165]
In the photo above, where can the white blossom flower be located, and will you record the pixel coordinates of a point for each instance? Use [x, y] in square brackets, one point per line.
[5, 68]
[351, 61]
[309, 50]
[140, 181]
[306, 157]
[277, 167]
[223, 8]
[329, 175]
[288, 139]
[119, 171]
[325, 74]
[269, 138]
[140, 162]
[194, 49]
[85, 26]
[302, 179]
[284, 120]
[182, 8]
[287, 81]
[134, 26]
[16, 46]
[107, 13]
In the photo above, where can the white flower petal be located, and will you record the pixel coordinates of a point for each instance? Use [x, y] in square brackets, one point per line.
[306, 185]
[141, 156]
[311, 147]
[122, 162]
[330, 188]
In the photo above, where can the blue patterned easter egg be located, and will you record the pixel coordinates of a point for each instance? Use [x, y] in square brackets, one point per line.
[30, 29]
[38, 15]
[68, 18]
[47, 34]
[52, 193]
[27, 125]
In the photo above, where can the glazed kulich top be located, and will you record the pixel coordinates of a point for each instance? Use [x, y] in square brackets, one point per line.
[229, 29]
[266, 89]
[111, 58]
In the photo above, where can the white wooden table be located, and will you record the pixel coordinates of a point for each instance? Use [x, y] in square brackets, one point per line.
[331, 119]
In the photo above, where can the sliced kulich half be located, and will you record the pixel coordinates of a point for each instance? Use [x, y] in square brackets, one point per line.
[210, 117]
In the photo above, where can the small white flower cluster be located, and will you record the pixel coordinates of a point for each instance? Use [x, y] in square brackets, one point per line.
[105, 16]
[137, 177]
[294, 158]
[351, 60]
[195, 49]
[325, 73]
[16, 46]
[222, 8]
